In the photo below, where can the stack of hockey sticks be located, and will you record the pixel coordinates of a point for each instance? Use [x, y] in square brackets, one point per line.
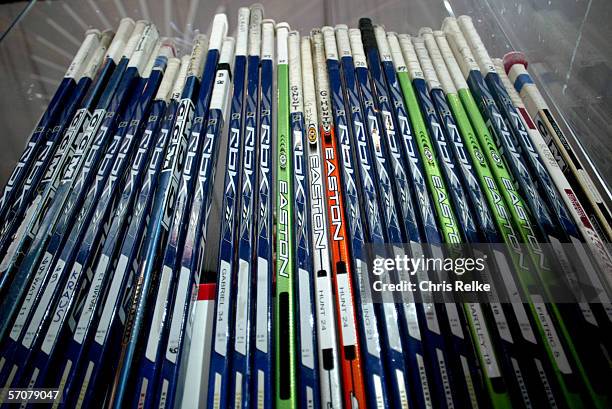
[372, 145]
[106, 210]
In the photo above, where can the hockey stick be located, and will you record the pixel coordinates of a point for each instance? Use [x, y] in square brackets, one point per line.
[262, 385]
[72, 244]
[520, 351]
[101, 358]
[105, 286]
[307, 364]
[329, 374]
[446, 333]
[20, 235]
[191, 262]
[516, 66]
[350, 348]
[38, 141]
[284, 307]
[52, 240]
[557, 348]
[138, 309]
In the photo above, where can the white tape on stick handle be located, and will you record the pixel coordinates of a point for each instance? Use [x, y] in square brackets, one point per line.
[255, 29]
[96, 59]
[412, 62]
[399, 63]
[329, 39]
[295, 73]
[227, 50]
[428, 69]
[282, 34]
[135, 36]
[242, 35]
[121, 38]
[179, 82]
[450, 62]
[478, 48]
[459, 46]
[437, 61]
[383, 45]
[144, 48]
[267, 39]
[198, 53]
[359, 57]
[165, 87]
[218, 31]
[342, 40]
[86, 50]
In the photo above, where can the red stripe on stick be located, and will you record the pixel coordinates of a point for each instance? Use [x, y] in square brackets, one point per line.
[206, 291]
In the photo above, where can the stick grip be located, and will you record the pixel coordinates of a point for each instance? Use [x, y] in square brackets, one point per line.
[449, 59]
[412, 62]
[437, 61]
[179, 82]
[476, 44]
[255, 29]
[144, 47]
[342, 40]
[429, 71]
[198, 52]
[267, 39]
[367, 33]
[282, 35]
[357, 48]
[242, 35]
[227, 51]
[122, 36]
[459, 45]
[135, 35]
[310, 102]
[329, 39]
[396, 53]
[218, 31]
[86, 50]
[295, 72]
[96, 60]
[165, 87]
[383, 44]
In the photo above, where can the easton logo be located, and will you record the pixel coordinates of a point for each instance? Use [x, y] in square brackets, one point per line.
[316, 192]
[479, 156]
[428, 155]
[312, 134]
[283, 229]
[335, 210]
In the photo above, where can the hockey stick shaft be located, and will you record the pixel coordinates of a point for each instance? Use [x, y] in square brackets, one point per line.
[307, 364]
[284, 309]
[329, 373]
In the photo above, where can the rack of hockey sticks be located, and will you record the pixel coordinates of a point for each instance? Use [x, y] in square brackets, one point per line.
[337, 148]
